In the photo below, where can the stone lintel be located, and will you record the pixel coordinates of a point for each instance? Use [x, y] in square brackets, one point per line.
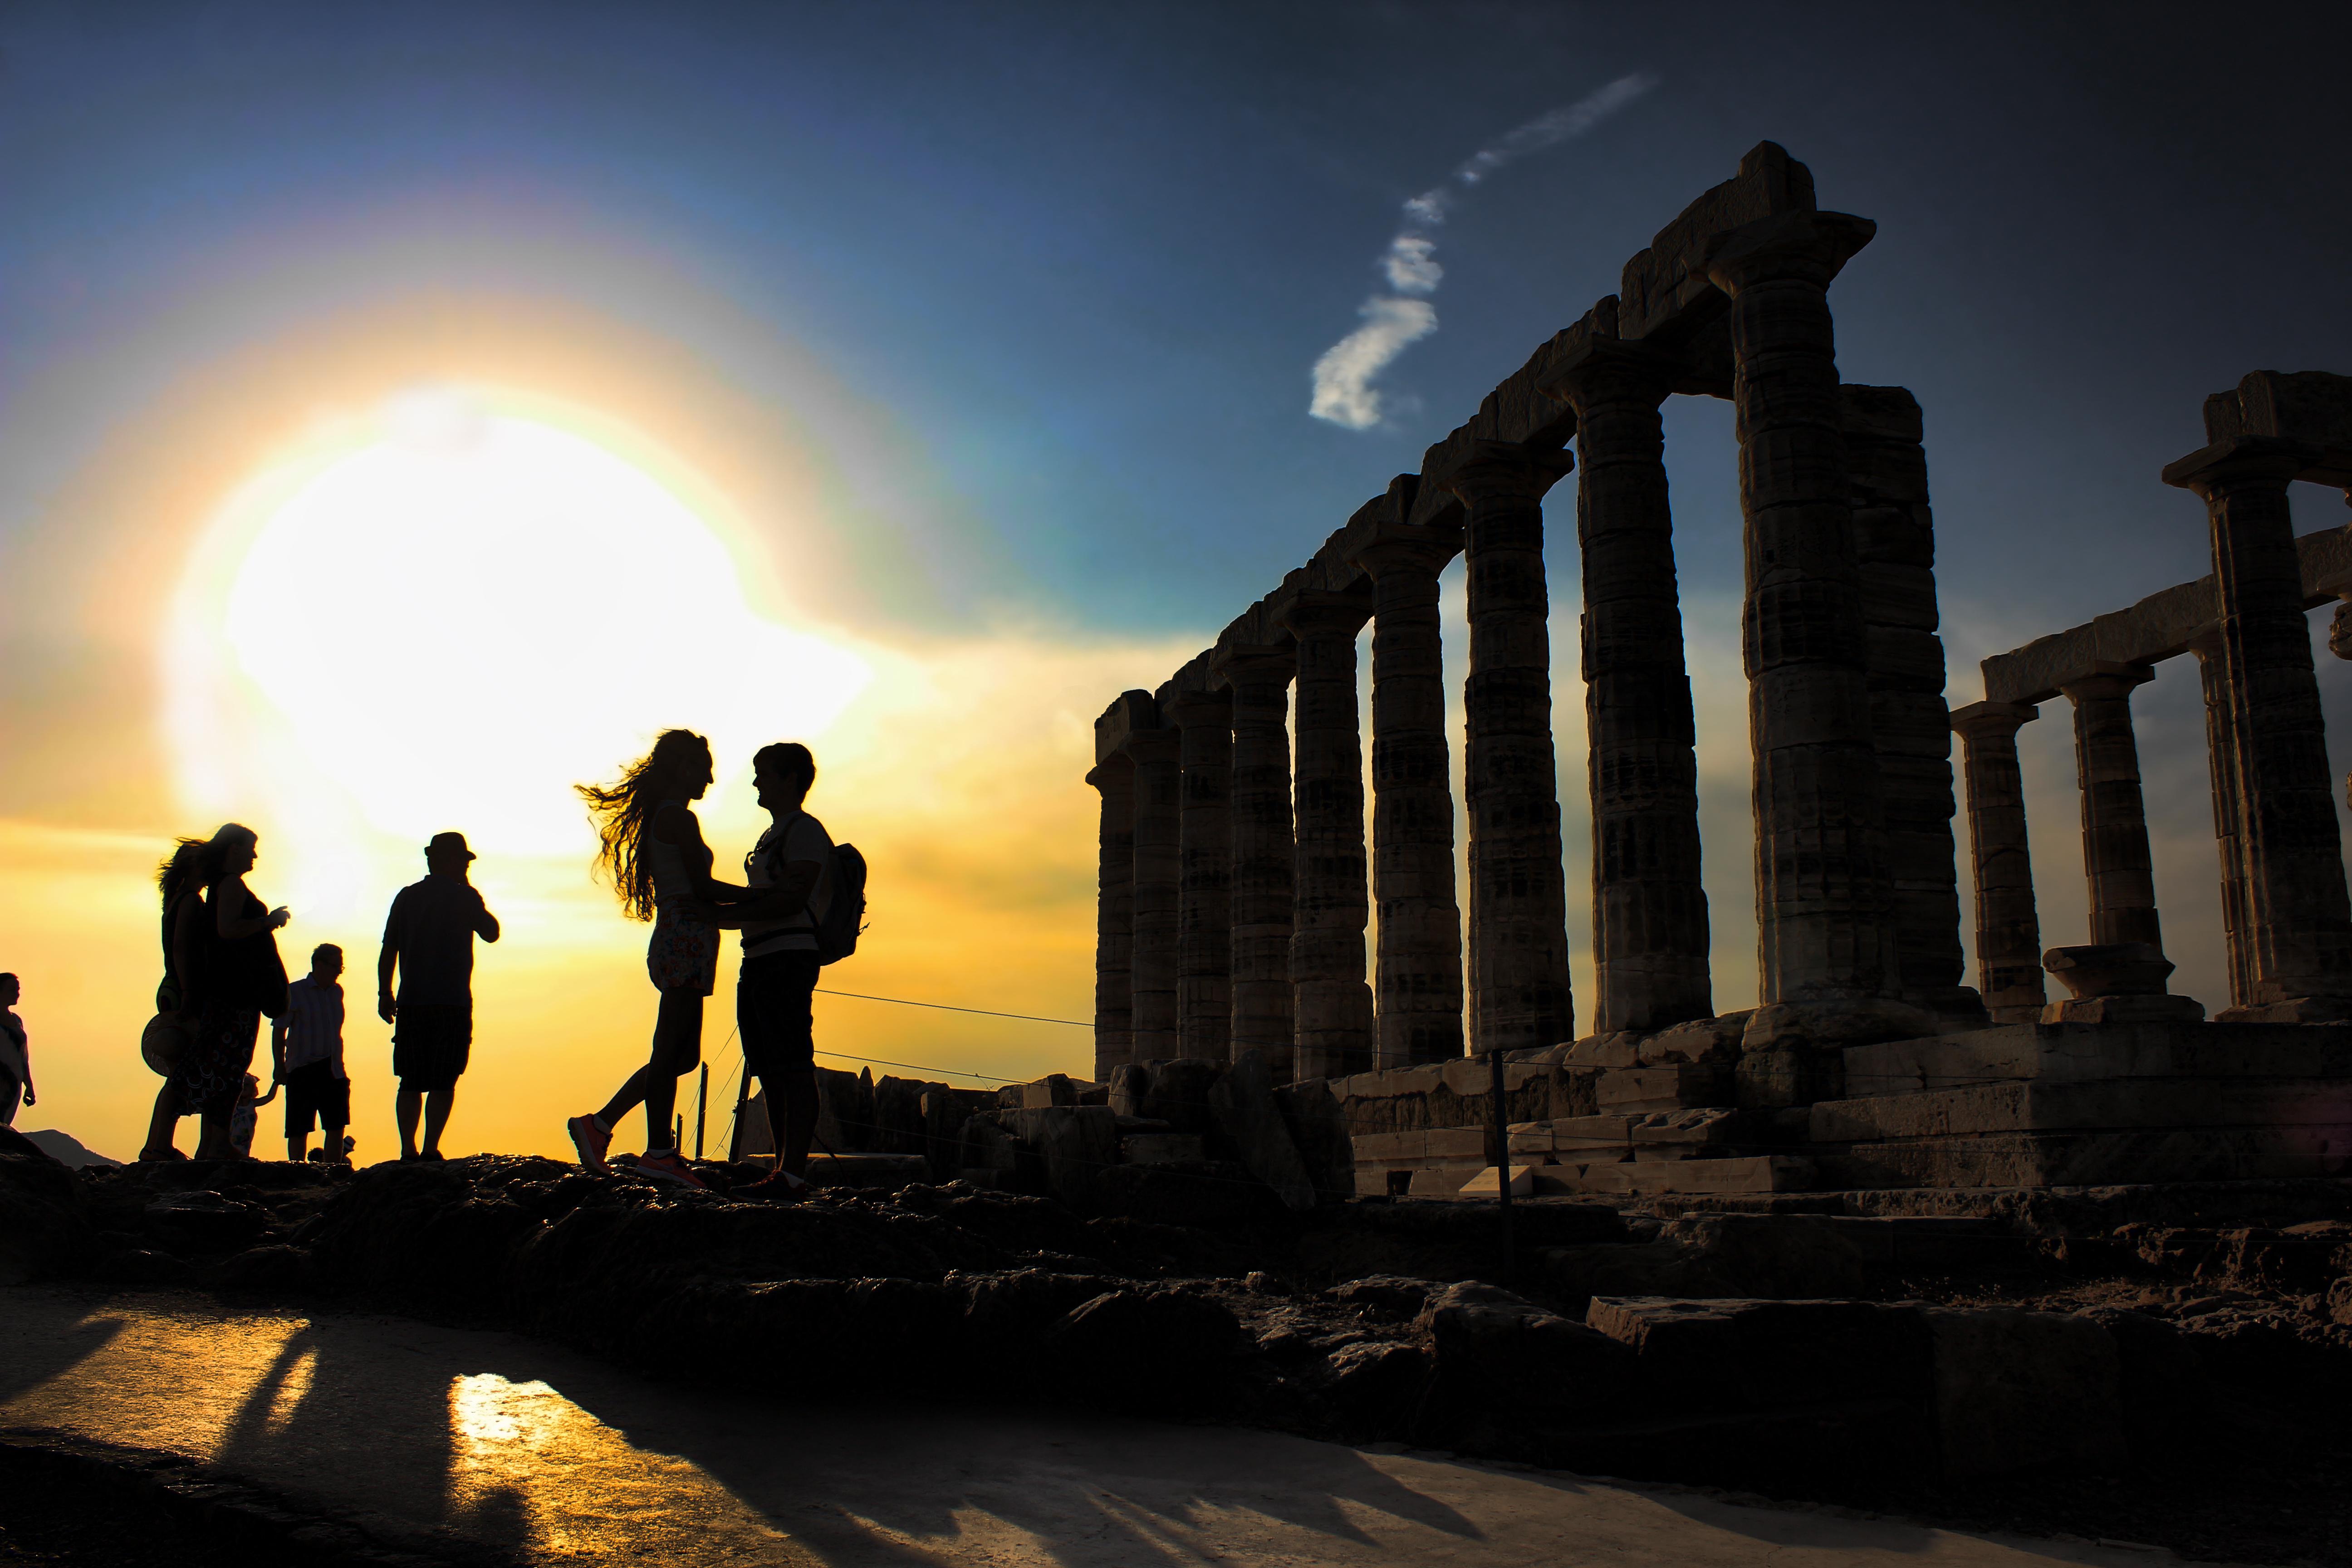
[1665, 291]
[1597, 356]
[2303, 405]
[1995, 717]
[1129, 711]
[2281, 456]
[1319, 612]
[2160, 627]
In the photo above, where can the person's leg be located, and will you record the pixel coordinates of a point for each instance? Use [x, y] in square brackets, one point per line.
[164, 1124]
[404, 1110]
[794, 1088]
[330, 1143]
[11, 1094]
[436, 1115]
[212, 1135]
[678, 1046]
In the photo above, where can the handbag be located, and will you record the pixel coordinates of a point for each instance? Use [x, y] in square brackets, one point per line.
[160, 1045]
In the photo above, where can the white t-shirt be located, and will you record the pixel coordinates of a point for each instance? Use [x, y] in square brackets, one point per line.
[802, 837]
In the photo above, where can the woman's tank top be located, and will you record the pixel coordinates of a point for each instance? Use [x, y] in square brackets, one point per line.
[674, 881]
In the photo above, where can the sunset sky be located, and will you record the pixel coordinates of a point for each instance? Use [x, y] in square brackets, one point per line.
[404, 412]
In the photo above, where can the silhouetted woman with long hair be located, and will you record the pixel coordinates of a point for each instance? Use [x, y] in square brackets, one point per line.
[237, 978]
[654, 852]
[181, 881]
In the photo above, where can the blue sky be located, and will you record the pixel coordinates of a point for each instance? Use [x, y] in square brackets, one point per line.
[1074, 262]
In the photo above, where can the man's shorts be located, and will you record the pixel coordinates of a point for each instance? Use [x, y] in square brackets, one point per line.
[430, 1045]
[313, 1091]
[772, 1009]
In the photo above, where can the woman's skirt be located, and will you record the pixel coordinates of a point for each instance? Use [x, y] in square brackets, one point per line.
[213, 1065]
[682, 955]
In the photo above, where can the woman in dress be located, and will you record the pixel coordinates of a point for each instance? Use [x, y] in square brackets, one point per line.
[242, 978]
[181, 880]
[660, 866]
[15, 1059]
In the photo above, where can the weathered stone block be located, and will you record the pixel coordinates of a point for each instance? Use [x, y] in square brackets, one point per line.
[1762, 1354]
[1243, 1102]
[1162, 1148]
[2024, 1391]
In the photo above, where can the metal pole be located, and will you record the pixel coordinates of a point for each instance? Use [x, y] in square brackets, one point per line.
[735, 1133]
[701, 1107]
[1499, 1133]
[677, 1132]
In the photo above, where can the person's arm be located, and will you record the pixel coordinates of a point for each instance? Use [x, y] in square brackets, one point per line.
[781, 902]
[280, 1028]
[233, 927]
[385, 1007]
[24, 1050]
[486, 924]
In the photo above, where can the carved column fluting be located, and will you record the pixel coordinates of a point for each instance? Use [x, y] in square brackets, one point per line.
[1115, 918]
[2114, 817]
[1910, 727]
[2299, 920]
[1332, 1006]
[1260, 678]
[1158, 804]
[2009, 933]
[1417, 972]
[1824, 925]
[1649, 904]
[1205, 912]
[1519, 995]
[2222, 766]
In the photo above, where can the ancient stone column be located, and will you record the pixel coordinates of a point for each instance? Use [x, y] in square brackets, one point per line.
[1157, 807]
[1205, 912]
[1910, 727]
[1649, 905]
[1417, 971]
[1259, 675]
[1824, 930]
[2009, 933]
[2221, 764]
[1520, 996]
[1115, 918]
[2114, 819]
[1332, 1006]
[2299, 919]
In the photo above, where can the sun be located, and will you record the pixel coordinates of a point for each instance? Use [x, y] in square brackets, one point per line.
[449, 622]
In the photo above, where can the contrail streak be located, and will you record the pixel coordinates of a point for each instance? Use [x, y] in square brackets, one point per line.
[1344, 394]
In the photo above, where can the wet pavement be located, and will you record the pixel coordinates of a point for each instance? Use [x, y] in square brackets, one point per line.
[423, 1433]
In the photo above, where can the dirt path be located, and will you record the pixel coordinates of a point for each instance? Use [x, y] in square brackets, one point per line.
[421, 1433]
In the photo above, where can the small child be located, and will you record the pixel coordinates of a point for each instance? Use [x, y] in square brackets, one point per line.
[306, 1042]
[246, 1116]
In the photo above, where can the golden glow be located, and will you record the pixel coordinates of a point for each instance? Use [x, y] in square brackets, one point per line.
[451, 621]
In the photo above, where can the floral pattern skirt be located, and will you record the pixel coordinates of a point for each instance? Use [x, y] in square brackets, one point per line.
[213, 1065]
[682, 955]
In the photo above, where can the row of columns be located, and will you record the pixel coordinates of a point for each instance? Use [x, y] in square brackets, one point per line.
[2286, 919]
[1288, 897]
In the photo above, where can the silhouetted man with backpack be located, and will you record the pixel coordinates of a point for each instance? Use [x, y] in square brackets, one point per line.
[803, 897]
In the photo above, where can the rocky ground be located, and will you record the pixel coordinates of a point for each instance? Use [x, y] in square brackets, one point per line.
[1395, 1323]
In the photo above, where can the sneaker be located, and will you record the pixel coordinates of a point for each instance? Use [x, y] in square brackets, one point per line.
[780, 1187]
[669, 1170]
[154, 1156]
[591, 1139]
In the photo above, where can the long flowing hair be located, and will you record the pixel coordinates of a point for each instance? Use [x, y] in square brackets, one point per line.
[622, 810]
[195, 862]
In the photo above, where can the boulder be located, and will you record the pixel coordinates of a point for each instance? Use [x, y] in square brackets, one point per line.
[1165, 1347]
[201, 1221]
[1499, 1359]
[1744, 1355]
[2018, 1391]
[1180, 1093]
[1244, 1104]
[272, 1267]
[44, 1226]
[1203, 1195]
[2168, 1395]
[1131, 1090]
[1375, 1386]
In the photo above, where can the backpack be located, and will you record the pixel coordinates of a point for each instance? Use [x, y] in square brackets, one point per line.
[844, 916]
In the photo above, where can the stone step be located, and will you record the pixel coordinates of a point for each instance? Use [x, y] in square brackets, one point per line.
[2062, 1053]
[2093, 1159]
[1422, 1143]
[2033, 1105]
[1738, 1173]
[1671, 1087]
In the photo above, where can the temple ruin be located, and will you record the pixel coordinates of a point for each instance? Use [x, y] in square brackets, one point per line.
[1238, 877]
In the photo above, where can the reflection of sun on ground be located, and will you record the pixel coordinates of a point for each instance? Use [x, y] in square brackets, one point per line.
[454, 618]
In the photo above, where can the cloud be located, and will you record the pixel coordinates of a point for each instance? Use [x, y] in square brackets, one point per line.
[1344, 394]
[1343, 389]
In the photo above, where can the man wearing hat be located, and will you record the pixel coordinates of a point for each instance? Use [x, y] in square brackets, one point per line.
[428, 939]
